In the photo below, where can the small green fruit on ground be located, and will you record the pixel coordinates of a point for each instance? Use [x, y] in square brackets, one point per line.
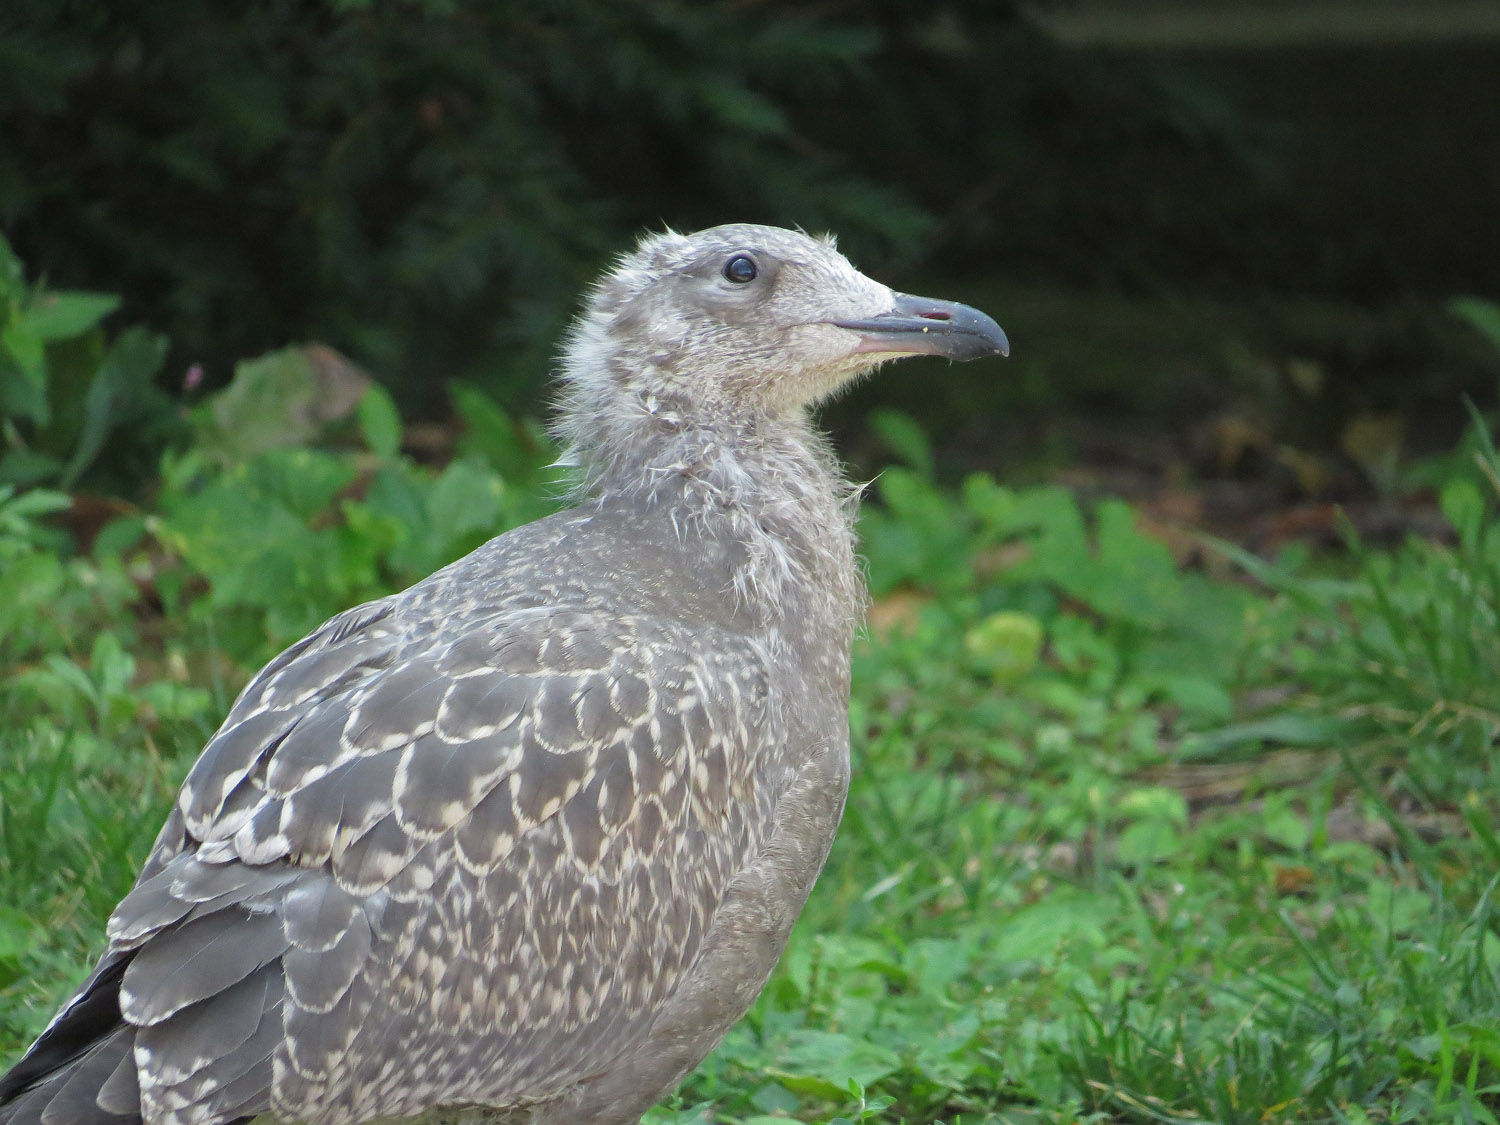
[1005, 644]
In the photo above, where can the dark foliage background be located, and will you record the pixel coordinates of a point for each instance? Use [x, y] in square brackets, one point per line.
[426, 185]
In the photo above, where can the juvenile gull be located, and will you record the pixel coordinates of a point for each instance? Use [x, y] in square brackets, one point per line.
[522, 842]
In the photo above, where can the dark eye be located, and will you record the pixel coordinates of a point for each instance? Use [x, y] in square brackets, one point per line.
[740, 269]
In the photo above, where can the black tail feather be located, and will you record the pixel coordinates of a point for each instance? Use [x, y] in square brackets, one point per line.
[57, 1081]
[93, 1014]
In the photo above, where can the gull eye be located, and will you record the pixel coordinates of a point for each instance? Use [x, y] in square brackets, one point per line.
[740, 269]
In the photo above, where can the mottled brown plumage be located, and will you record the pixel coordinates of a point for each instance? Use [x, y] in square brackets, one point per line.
[523, 841]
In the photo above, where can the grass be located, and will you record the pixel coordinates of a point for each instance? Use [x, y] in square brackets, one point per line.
[1123, 843]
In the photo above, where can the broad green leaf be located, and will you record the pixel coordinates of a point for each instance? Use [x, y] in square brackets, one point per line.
[303, 480]
[31, 505]
[1463, 505]
[119, 535]
[380, 423]
[1483, 315]
[1288, 728]
[112, 667]
[26, 467]
[398, 493]
[821, 1063]
[1200, 697]
[906, 439]
[933, 964]
[737, 107]
[465, 498]
[286, 397]
[1040, 931]
[773, 1097]
[988, 501]
[516, 450]
[125, 373]
[266, 405]
[12, 274]
[1146, 842]
[18, 934]
[1283, 824]
[909, 495]
[68, 313]
[1154, 802]
[20, 397]
[29, 351]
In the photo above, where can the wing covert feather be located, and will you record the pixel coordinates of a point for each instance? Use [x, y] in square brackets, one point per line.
[470, 849]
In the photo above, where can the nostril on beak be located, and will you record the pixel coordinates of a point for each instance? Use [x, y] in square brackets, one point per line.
[935, 316]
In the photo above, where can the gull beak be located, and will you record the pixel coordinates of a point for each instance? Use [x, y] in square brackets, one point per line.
[924, 326]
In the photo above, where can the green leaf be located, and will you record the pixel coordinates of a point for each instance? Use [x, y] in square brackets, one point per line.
[29, 350]
[1042, 930]
[1200, 697]
[124, 376]
[514, 449]
[12, 273]
[303, 480]
[31, 505]
[27, 466]
[911, 496]
[740, 108]
[1146, 842]
[774, 1098]
[1463, 504]
[1481, 314]
[20, 397]
[65, 314]
[112, 667]
[1282, 824]
[380, 423]
[906, 439]
[282, 398]
[1289, 728]
[1154, 803]
[18, 933]
[464, 499]
[988, 501]
[821, 1063]
[932, 964]
[118, 536]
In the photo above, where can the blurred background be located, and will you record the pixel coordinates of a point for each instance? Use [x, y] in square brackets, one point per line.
[1222, 234]
[1176, 727]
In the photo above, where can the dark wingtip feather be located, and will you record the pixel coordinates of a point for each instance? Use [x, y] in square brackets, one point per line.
[26, 1109]
[76, 1100]
[94, 1014]
[121, 1092]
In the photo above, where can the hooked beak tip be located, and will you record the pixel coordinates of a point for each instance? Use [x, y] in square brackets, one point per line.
[925, 326]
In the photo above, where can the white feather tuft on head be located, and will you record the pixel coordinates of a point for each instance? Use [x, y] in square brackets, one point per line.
[678, 387]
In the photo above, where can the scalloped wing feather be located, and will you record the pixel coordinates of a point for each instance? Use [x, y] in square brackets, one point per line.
[460, 847]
